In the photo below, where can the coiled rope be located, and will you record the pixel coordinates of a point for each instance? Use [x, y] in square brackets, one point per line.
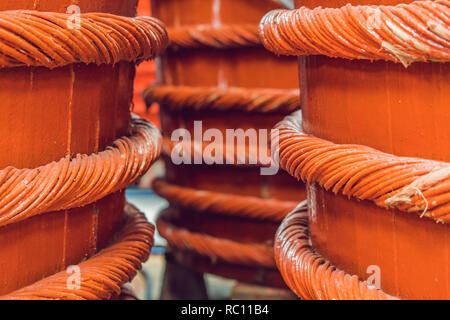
[178, 98]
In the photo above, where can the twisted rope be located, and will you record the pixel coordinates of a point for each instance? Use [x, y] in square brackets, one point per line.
[76, 182]
[223, 203]
[419, 31]
[103, 275]
[178, 98]
[33, 38]
[308, 274]
[218, 37]
[215, 248]
[407, 184]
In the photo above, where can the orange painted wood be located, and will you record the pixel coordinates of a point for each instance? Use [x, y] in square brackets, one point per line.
[398, 110]
[46, 115]
[145, 74]
[339, 3]
[119, 7]
[280, 186]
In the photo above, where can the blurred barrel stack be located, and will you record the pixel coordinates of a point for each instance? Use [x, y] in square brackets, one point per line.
[145, 74]
[216, 76]
[69, 146]
[373, 148]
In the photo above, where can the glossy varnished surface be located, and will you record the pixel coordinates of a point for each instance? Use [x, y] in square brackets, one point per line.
[340, 3]
[207, 67]
[246, 67]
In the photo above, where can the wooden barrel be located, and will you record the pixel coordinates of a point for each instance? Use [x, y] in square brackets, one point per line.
[65, 107]
[396, 104]
[215, 71]
[118, 7]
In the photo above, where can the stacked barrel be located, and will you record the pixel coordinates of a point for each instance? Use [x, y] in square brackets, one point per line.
[69, 146]
[373, 148]
[216, 76]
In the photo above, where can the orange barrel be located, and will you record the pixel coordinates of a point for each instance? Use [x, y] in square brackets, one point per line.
[69, 144]
[372, 148]
[217, 73]
[145, 75]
